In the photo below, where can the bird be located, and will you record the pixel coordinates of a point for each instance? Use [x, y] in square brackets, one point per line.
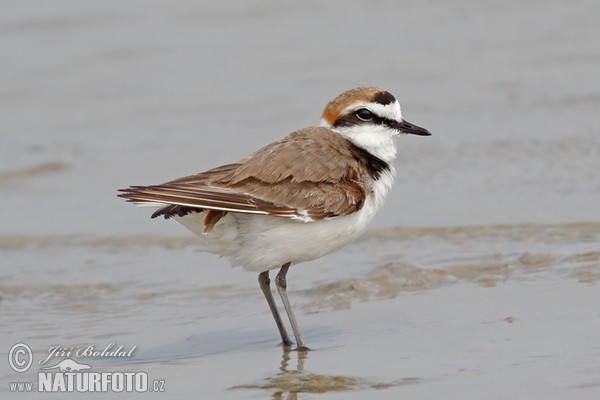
[294, 200]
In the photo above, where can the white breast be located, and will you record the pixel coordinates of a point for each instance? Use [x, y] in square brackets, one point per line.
[259, 243]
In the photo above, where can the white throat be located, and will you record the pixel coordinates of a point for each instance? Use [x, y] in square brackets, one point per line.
[376, 139]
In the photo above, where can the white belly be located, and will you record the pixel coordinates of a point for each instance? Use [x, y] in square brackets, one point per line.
[260, 243]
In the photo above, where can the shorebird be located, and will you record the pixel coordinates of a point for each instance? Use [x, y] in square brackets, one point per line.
[296, 199]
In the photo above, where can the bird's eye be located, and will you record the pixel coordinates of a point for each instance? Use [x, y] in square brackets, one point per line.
[364, 114]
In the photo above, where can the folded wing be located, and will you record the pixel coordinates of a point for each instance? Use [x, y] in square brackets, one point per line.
[310, 175]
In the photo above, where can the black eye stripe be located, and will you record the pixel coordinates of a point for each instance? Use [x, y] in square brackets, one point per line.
[352, 120]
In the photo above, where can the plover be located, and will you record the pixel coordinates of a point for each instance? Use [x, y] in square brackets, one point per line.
[296, 199]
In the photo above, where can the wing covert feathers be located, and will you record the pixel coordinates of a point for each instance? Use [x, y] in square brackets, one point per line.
[312, 174]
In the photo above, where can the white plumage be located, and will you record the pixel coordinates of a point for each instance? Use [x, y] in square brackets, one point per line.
[259, 243]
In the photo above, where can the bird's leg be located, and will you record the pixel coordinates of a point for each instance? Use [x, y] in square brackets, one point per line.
[265, 282]
[281, 285]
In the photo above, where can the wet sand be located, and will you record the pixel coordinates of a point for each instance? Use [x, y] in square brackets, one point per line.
[438, 311]
[479, 279]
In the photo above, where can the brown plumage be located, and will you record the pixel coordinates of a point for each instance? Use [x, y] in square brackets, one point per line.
[312, 174]
[353, 96]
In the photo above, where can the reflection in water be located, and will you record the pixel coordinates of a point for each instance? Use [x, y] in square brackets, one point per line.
[285, 361]
[292, 379]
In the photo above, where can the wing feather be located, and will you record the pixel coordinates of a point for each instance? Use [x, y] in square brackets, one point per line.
[312, 174]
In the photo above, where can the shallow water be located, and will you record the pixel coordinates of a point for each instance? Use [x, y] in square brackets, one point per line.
[479, 278]
[437, 310]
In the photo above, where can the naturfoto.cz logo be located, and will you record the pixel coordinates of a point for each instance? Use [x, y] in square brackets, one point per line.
[68, 375]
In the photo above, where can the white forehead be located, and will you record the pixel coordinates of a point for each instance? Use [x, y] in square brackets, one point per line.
[390, 111]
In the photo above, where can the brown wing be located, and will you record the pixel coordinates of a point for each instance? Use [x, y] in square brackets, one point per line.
[312, 174]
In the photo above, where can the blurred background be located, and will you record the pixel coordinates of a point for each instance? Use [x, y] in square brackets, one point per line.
[97, 96]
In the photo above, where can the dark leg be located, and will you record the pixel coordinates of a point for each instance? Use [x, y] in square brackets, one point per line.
[264, 281]
[281, 285]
